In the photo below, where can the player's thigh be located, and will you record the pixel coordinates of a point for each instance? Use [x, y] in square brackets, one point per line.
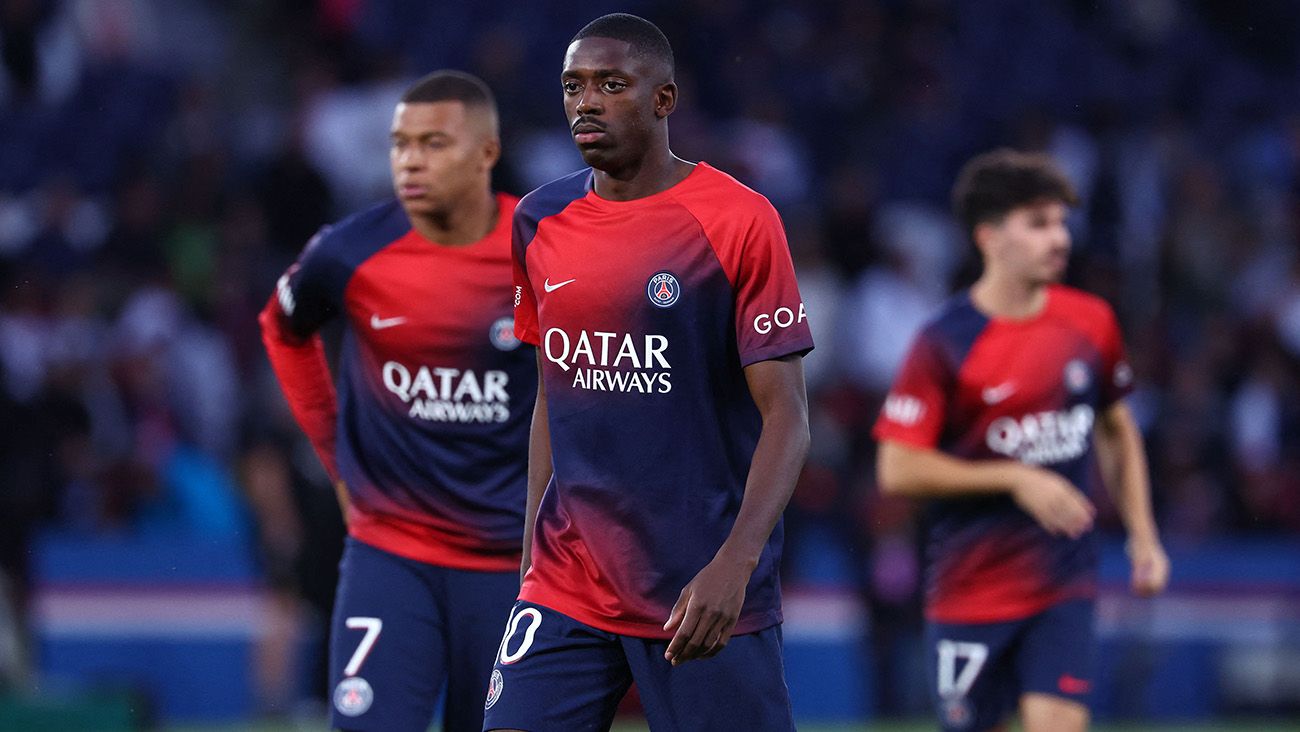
[386, 645]
[476, 606]
[1057, 654]
[743, 687]
[971, 668]
[554, 674]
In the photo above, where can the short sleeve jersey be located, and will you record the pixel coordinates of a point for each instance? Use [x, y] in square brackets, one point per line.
[435, 391]
[646, 313]
[983, 388]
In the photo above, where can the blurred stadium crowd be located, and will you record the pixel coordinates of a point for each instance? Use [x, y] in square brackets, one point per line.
[161, 162]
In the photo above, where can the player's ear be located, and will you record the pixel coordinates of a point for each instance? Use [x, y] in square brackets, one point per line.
[665, 99]
[982, 236]
[491, 152]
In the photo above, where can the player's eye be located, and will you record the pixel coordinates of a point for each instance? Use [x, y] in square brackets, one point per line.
[571, 87]
[613, 85]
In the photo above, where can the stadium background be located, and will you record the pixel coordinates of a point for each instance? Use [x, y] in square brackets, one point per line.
[167, 539]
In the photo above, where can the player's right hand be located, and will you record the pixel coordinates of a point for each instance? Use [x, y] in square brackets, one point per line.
[1054, 502]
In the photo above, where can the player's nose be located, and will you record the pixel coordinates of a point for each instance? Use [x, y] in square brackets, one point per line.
[588, 102]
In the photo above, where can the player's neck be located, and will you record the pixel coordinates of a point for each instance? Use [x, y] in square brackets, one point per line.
[464, 223]
[1002, 296]
[644, 177]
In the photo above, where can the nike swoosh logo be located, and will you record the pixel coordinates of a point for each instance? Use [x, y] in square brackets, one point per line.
[379, 323]
[552, 288]
[995, 394]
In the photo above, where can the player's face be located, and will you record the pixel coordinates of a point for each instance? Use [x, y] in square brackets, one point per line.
[440, 153]
[1031, 242]
[613, 101]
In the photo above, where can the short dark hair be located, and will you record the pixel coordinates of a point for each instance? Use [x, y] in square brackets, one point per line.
[449, 85]
[644, 37]
[992, 184]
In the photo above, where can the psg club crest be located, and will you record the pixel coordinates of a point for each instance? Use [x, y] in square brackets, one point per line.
[1077, 376]
[663, 290]
[957, 712]
[495, 685]
[353, 696]
[502, 334]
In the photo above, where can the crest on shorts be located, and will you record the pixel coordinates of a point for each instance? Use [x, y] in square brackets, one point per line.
[353, 696]
[502, 334]
[663, 289]
[957, 712]
[495, 685]
[1077, 376]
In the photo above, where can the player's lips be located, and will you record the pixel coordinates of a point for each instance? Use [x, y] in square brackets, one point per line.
[411, 190]
[585, 133]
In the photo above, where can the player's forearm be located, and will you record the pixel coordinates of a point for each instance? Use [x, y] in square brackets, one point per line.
[926, 473]
[304, 376]
[1122, 458]
[539, 470]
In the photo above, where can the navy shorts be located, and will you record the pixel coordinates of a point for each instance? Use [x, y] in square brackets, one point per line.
[978, 671]
[554, 673]
[403, 631]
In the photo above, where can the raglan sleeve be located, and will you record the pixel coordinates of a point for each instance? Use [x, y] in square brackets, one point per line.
[1116, 372]
[770, 318]
[526, 323]
[915, 408]
[303, 301]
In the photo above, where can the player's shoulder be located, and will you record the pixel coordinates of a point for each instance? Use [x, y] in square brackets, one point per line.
[1082, 309]
[552, 198]
[712, 194]
[953, 328]
[365, 230]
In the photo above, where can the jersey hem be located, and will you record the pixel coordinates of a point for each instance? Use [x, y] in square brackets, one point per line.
[1019, 612]
[422, 544]
[635, 629]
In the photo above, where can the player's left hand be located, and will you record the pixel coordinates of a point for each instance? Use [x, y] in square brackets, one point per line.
[1150, 567]
[707, 610]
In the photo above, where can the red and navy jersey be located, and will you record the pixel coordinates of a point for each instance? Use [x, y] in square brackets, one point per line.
[646, 313]
[983, 388]
[435, 392]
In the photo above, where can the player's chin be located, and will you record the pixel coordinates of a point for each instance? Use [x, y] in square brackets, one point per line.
[419, 206]
[597, 155]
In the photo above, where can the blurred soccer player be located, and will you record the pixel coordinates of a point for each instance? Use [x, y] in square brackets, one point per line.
[994, 415]
[427, 439]
[670, 425]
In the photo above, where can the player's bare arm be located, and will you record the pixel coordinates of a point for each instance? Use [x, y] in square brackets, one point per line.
[539, 467]
[1120, 453]
[1057, 505]
[708, 608]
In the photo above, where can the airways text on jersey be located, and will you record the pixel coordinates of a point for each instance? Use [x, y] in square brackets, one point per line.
[610, 361]
[441, 394]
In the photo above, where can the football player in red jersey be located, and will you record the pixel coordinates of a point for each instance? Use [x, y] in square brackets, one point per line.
[670, 426]
[427, 437]
[995, 414]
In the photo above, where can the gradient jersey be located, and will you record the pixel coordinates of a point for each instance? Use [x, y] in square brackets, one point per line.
[435, 392]
[1029, 390]
[646, 313]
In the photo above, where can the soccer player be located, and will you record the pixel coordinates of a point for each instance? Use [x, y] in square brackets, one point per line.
[427, 439]
[995, 415]
[670, 424]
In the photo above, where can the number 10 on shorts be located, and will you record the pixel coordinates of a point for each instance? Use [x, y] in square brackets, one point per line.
[512, 626]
